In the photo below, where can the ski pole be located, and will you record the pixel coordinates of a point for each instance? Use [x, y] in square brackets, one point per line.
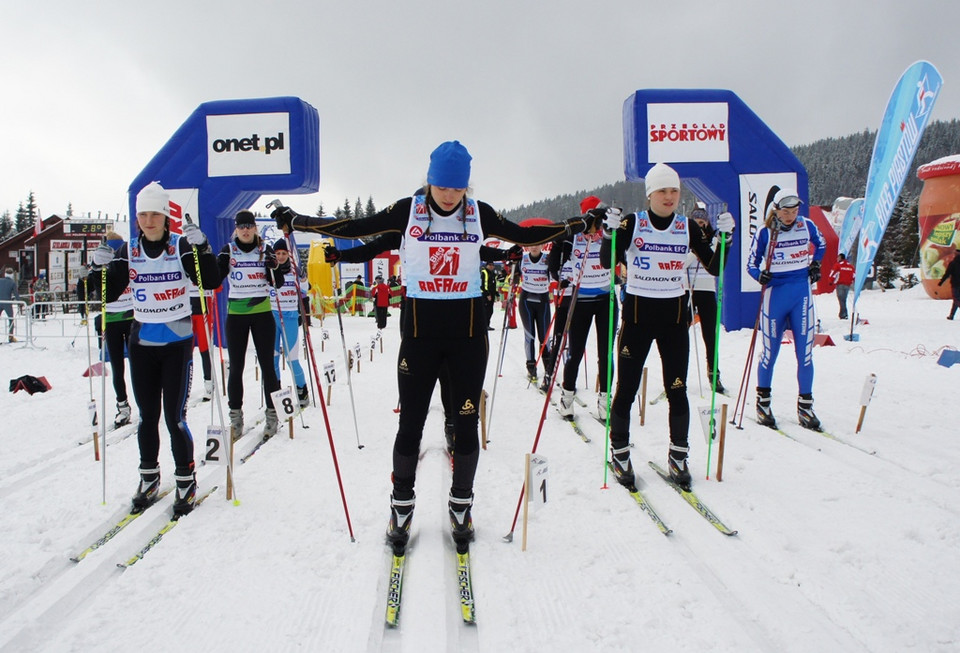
[546, 401]
[741, 403]
[96, 434]
[103, 378]
[612, 311]
[503, 346]
[716, 355]
[286, 349]
[323, 405]
[231, 484]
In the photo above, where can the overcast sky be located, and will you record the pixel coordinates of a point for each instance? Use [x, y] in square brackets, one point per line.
[92, 90]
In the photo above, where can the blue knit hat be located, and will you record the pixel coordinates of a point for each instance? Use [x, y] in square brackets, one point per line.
[449, 166]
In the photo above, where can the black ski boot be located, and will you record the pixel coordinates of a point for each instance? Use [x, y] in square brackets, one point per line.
[186, 492]
[461, 522]
[148, 490]
[805, 414]
[303, 396]
[677, 466]
[622, 467]
[401, 516]
[532, 371]
[720, 388]
[764, 412]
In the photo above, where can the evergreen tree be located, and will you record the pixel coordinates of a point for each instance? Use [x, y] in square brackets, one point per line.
[69, 209]
[320, 210]
[347, 212]
[370, 208]
[358, 210]
[21, 220]
[31, 209]
[6, 226]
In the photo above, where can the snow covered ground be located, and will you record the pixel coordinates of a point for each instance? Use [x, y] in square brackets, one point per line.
[838, 549]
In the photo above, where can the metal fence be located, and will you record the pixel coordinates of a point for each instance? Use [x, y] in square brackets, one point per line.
[37, 321]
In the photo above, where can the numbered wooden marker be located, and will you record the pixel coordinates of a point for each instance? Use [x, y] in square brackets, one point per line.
[92, 411]
[356, 355]
[215, 452]
[330, 372]
[324, 336]
[539, 472]
[373, 345]
[865, 396]
[706, 417]
[283, 402]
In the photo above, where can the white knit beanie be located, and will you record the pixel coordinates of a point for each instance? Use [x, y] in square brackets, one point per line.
[660, 176]
[153, 198]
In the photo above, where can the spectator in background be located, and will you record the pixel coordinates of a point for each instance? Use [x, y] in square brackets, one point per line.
[380, 293]
[8, 294]
[842, 276]
[953, 273]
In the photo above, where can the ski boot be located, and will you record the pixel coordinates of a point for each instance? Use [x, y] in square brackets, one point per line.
[236, 423]
[622, 467]
[805, 414]
[565, 407]
[186, 492]
[764, 412]
[602, 406]
[270, 428]
[461, 522]
[123, 414]
[401, 516]
[148, 490]
[712, 376]
[207, 390]
[303, 396]
[532, 371]
[677, 466]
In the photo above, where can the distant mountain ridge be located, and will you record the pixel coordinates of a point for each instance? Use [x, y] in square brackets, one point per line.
[836, 167]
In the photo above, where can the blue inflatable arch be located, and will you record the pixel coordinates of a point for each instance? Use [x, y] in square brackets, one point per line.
[227, 154]
[727, 156]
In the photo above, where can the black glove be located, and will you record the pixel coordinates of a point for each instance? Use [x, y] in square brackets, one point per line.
[515, 253]
[764, 277]
[564, 283]
[331, 254]
[269, 259]
[814, 271]
[284, 216]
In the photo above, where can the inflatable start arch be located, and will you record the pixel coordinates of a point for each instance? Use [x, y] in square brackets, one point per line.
[727, 157]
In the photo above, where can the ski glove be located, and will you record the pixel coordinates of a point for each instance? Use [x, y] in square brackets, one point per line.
[284, 216]
[564, 283]
[764, 277]
[269, 259]
[725, 223]
[194, 236]
[331, 254]
[611, 221]
[102, 255]
[515, 253]
[814, 271]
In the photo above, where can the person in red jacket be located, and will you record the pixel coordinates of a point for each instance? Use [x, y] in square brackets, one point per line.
[842, 277]
[380, 294]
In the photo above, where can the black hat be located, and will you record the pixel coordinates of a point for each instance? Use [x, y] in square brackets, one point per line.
[280, 244]
[245, 217]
